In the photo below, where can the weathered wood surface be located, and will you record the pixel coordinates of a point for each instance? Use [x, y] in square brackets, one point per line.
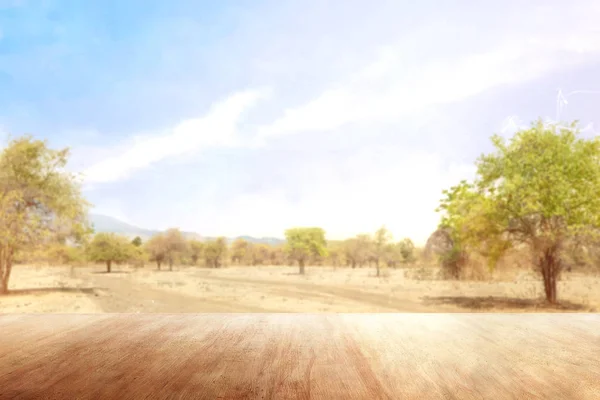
[300, 356]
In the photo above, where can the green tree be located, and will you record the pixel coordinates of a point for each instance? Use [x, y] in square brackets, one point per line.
[110, 248]
[277, 255]
[357, 250]
[303, 243]
[335, 253]
[215, 251]
[63, 254]
[137, 241]
[538, 190]
[174, 245]
[40, 202]
[156, 248]
[239, 251]
[381, 240]
[196, 250]
[407, 250]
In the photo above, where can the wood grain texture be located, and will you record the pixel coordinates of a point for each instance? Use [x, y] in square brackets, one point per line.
[300, 356]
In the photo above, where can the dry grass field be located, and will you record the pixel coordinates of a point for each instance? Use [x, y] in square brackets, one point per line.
[281, 289]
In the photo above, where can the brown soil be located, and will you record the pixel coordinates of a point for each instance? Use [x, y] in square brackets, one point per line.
[278, 289]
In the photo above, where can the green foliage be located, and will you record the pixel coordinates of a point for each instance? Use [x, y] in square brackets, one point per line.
[63, 254]
[357, 249]
[538, 189]
[156, 248]
[215, 251]
[335, 253]
[109, 248]
[407, 250]
[303, 243]
[175, 246]
[380, 248]
[40, 203]
[240, 251]
[195, 250]
[137, 241]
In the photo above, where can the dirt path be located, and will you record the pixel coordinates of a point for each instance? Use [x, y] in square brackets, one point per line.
[120, 292]
[300, 356]
[384, 302]
[115, 293]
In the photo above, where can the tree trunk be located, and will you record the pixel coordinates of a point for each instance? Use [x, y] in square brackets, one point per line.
[108, 265]
[377, 266]
[301, 264]
[158, 265]
[5, 269]
[549, 265]
[170, 265]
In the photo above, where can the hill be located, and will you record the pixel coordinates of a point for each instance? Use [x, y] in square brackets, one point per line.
[105, 223]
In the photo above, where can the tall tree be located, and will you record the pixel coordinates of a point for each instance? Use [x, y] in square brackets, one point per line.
[157, 249]
[137, 241]
[239, 251]
[407, 250]
[303, 243]
[539, 189]
[196, 250]
[40, 202]
[381, 240]
[110, 248]
[357, 249]
[215, 251]
[175, 245]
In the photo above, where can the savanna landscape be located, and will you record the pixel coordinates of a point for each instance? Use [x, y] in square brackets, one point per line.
[299, 200]
[521, 237]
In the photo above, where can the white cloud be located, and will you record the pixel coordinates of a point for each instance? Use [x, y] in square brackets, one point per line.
[388, 88]
[403, 196]
[216, 129]
[401, 83]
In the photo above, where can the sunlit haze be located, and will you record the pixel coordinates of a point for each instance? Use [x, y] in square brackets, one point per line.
[250, 117]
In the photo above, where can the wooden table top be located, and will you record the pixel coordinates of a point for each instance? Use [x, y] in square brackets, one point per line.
[300, 356]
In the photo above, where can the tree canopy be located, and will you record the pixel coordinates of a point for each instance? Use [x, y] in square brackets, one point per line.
[538, 189]
[109, 248]
[40, 202]
[303, 243]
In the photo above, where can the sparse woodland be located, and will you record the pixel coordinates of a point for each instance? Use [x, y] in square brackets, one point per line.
[535, 202]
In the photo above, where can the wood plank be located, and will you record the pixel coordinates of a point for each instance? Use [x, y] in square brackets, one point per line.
[300, 356]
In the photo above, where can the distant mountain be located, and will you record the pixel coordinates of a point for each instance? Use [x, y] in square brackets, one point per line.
[105, 223]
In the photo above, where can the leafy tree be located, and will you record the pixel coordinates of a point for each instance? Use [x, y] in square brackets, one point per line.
[239, 251]
[407, 250]
[63, 254]
[303, 243]
[392, 255]
[39, 201]
[137, 241]
[196, 250]
[258, 254]
[174, 245]
[215, 251]
[538, 190]
[381, 240]
[109, 248]
[156, 248]
[277, 255]
[335, 251]
[357, 250]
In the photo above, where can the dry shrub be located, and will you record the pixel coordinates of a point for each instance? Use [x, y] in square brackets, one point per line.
[422, 273]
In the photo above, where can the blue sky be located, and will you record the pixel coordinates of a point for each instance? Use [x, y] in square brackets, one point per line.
[249, 117]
